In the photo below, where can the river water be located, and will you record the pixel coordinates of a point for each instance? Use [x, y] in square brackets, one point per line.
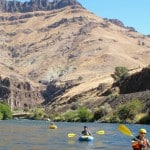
[35, 135]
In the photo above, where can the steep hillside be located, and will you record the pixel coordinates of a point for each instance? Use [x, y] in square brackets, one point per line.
[68, 45]
[136, 86]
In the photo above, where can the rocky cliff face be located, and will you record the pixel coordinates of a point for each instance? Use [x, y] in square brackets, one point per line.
[19, 94]
[34, 5]
[137, 82]
[119, 23]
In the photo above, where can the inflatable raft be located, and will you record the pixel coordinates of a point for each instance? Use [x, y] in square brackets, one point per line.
[86, 138]
[52, 127]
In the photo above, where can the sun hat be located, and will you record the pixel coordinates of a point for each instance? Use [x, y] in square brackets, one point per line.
[142, 131]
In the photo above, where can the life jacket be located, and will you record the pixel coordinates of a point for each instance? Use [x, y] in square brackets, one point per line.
[85, 133]
[137, 146]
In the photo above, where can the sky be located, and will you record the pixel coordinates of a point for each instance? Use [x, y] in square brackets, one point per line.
[133, 13]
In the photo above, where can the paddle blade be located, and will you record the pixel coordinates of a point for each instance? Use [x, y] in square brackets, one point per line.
[100, 132]
[70, 135]
[123, 129]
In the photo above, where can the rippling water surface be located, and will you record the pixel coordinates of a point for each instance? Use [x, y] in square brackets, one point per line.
[35, 135]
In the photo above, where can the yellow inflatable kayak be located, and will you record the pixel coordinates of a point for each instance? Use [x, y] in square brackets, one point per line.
[52, 127]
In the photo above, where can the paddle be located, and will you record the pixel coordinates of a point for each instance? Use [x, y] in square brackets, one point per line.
[70, 135]
[100, 132]
[125, 130]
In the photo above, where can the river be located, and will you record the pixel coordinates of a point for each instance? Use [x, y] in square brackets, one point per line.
[35, 135]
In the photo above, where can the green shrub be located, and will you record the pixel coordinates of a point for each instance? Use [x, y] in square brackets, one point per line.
[120, 73]
[84, 114]
[71, 116]
[114, 118]
[129, 110]
[99, 113]
[81, 114]
[5, 111]
[1, 116]
[102, 111]
[59, 118]
[38, 114]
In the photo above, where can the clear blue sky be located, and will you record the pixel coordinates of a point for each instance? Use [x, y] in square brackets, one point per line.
[133, 13]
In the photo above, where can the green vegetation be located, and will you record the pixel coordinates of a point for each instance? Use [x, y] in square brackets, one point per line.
[120, 73]
[5, 111]
[81, 114]
[102, 111]
[131, 112]
[124, 113]
[71, 115]
[38, 114]
[84, 114]
[1, 116]
[127, 112]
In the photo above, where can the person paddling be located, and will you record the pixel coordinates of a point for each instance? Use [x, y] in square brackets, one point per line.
[52, 124]
[86, 131]
[141, 142]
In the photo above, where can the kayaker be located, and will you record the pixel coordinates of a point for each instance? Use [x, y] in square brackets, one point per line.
[141, 142]
[52, 124]
[86, 131]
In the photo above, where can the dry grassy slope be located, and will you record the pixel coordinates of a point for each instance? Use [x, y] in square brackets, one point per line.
[87, 47]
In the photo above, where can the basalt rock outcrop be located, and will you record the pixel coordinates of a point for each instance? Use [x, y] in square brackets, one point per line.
[120, 23]
[137, 82]
[34, 5]
[19, 94]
